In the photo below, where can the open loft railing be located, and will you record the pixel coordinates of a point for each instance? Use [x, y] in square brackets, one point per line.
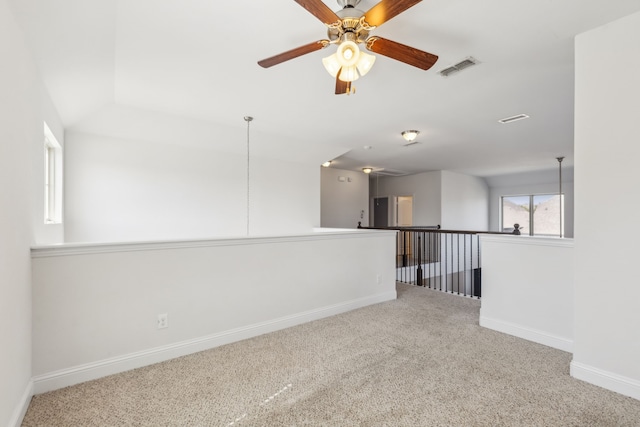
[445, 260]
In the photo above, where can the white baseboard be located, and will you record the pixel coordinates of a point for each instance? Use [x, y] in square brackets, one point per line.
[614, 382]
[90, 371]
[541, 337]
[23, 405]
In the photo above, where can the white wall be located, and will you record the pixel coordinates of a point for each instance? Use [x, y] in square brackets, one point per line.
[46, 233]
[527, 288]
[607, 314]
[539, 182]
[453, 200]
[464, 204]
[425, 189]
[95, 306]
[123, 190]
[21, 210]
[345, 198]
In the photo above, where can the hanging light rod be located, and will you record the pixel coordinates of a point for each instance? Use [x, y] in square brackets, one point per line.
[560, 159]
[248, 119]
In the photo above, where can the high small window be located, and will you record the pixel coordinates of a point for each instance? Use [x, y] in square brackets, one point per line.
[52, 178]
[537, 214]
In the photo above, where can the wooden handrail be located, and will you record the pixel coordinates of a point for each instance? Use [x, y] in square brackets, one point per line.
[436, 229]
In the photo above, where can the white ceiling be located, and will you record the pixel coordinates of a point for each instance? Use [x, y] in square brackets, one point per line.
[196, 59]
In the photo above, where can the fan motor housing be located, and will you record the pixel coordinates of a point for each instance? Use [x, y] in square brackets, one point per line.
[348, 3]
[350, 27]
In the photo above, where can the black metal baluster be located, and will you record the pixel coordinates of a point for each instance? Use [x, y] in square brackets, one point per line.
[454, 278]
[440, 258]
[430, 258]
[419, 269]
[447, 238]
[479, 284]
[464, 265]
[458, 261]
[413, 258]
[473, 275]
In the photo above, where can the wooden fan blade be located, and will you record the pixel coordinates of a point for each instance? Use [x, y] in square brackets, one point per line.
[401, 52]
[387, 9]
[342, 87]
[293, 53]
[320, 10]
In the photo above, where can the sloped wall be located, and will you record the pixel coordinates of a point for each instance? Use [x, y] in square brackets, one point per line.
[122, 189]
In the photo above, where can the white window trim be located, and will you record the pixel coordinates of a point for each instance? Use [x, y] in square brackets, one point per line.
[52, 178]
[531, 231]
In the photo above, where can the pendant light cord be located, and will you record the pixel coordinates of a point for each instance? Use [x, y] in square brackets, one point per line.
[248, 119]
[560, 159]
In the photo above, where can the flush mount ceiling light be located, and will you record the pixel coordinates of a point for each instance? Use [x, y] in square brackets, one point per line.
[367, 170]
[410, 135]
[326, 164]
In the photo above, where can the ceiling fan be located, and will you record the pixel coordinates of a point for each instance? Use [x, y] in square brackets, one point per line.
[348, 28]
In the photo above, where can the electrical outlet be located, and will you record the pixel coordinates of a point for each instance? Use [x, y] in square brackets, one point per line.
[379, 279]
[163, 321]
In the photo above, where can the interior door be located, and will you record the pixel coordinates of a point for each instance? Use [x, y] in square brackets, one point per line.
[381, 212]
[404, 209]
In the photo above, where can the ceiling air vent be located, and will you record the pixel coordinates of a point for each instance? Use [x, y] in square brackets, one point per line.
[466, 63]
[388, 172]
[513, 118]
[410, 144]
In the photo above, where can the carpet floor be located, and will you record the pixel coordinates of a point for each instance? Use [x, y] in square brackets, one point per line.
[420, 360]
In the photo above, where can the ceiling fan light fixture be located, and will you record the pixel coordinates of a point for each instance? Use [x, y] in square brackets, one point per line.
[331, 64]
[348, 53]
[365, 63]
[410, 135]
[349, 74]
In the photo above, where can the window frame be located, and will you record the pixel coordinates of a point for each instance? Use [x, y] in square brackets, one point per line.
[52, 178]
[531, 212]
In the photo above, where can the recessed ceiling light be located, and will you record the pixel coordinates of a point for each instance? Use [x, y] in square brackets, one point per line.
[513, 118]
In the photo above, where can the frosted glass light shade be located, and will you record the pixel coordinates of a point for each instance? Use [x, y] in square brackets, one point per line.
[349, 74]
[351, 60]
[331, 64]
[348, 53]
[410, 135]
[365, 63]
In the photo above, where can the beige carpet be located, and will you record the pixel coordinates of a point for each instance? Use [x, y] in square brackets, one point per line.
[421, 360]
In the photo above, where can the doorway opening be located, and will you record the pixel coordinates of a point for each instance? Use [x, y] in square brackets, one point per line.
[404, 211]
